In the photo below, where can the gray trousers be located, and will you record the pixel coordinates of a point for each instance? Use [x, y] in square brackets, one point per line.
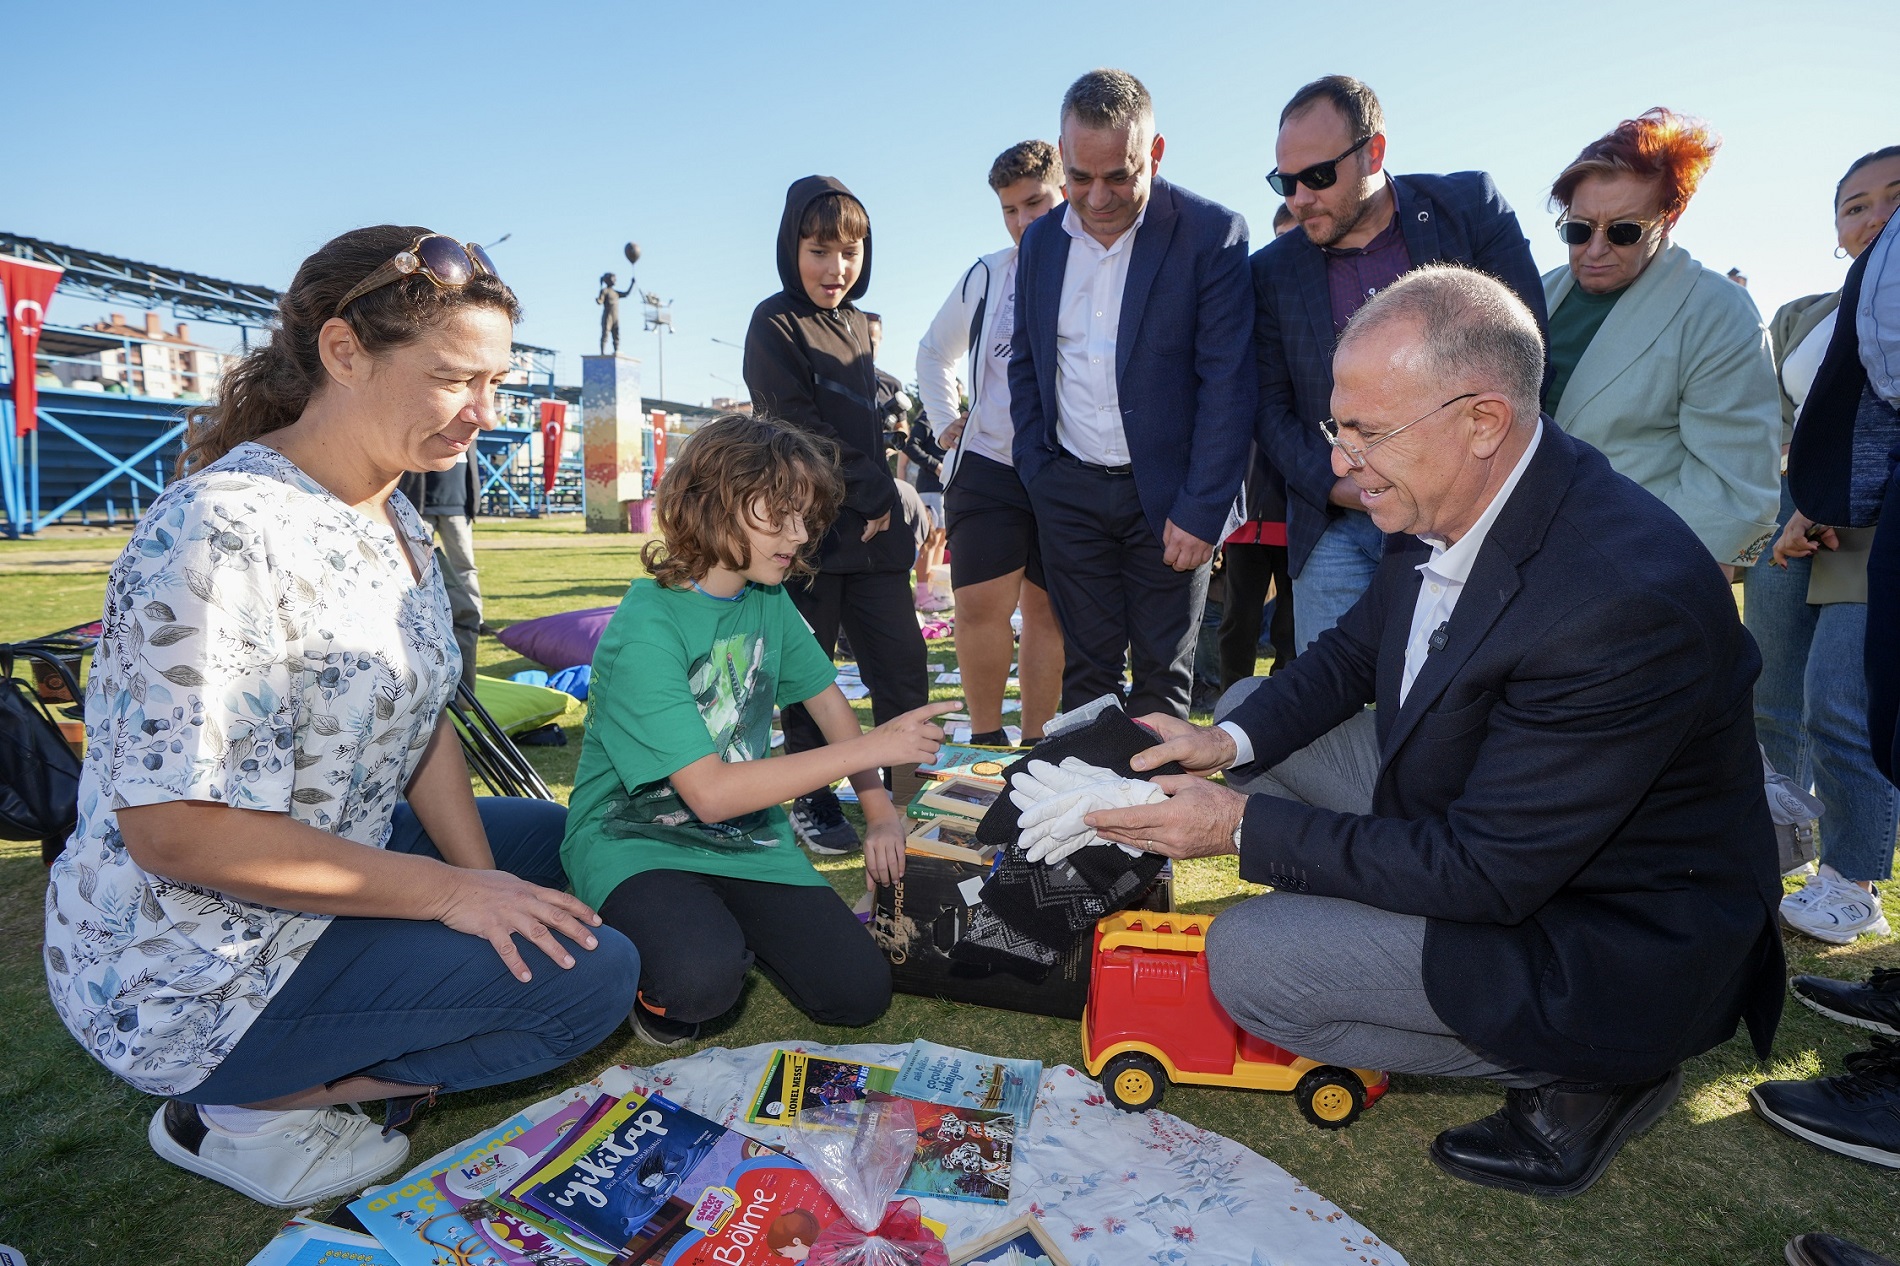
[457, 535]
[1331, 979]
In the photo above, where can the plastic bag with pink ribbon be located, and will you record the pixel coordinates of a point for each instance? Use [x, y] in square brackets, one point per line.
[860, 1152]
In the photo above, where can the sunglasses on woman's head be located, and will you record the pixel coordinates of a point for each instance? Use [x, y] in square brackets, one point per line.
[1318, 176]
[442, 259]
[1619, 232]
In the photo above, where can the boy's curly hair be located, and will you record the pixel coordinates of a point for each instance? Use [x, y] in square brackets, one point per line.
[733, 467]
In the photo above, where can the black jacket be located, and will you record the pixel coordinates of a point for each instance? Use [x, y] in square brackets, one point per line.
[417, 484]
[1571, 794]
[812, 366]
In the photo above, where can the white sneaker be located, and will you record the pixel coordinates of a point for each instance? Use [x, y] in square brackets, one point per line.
[1831, 909]
[302, 1158]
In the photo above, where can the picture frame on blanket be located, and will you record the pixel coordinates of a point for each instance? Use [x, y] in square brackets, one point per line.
[1022, 1242]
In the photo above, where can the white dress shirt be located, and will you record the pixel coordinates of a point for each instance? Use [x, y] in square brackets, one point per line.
[1088, 403]
[1442, 580]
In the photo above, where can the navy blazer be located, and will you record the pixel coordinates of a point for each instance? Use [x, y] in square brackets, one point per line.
[1460, 218]
[1183, 365]
[1570, 795]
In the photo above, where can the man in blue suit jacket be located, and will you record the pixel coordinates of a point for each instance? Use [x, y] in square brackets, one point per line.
[1133, 398]
[1545, 857]
[1360, 229]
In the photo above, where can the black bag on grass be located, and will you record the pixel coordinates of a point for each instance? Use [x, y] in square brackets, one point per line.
[1030, 913]
[39, 774]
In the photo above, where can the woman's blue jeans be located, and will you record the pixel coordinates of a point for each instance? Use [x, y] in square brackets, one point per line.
[412, 1001]
[1811, 711]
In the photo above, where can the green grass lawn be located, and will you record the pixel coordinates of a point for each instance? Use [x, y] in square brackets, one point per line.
[1711, 1184]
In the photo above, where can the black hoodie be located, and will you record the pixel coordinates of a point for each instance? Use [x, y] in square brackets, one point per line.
[812, 366]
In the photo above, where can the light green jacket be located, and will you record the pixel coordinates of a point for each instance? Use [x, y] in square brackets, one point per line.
[1678, 390]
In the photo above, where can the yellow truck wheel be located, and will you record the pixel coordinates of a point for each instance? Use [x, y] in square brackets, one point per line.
[1330, 1097]
[1133, 1082]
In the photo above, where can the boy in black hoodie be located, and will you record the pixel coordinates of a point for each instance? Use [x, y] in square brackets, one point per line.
[808, 361]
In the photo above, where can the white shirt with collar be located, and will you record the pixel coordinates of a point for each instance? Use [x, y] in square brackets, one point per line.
[1088, 402]
[1442, 581]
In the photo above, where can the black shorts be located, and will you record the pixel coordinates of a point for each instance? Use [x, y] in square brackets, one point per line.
[992, 531]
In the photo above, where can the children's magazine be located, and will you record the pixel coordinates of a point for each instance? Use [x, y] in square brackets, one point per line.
[413, 1220]
[470, 1188]
[964, 1079]
[962, 1154]
[796, 1083]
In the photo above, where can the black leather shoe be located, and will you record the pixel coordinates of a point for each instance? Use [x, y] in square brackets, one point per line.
[1874, 1005]
[1555, 1140]
[1856, 1113]
[1827, 1250]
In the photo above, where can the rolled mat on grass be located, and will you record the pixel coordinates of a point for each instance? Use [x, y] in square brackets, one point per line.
[519, 707]
[1107, 1185]
[558, 641]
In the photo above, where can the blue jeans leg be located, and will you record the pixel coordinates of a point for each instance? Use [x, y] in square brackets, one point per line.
[1336, 573]
[1776, 611]
[418, 1003]
[1862, 809]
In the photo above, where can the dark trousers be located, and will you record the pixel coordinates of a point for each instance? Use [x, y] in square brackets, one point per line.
[413, 1001]
[878, 613]
[1249, 570]
[699, 933]
[1114, 598]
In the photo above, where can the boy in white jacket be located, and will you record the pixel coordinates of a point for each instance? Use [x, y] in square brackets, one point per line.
[995, 563]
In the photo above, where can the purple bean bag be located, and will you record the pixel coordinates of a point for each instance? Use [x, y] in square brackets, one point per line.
[558, 641]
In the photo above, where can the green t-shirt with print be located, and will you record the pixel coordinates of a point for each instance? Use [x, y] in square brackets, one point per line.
[681, 675]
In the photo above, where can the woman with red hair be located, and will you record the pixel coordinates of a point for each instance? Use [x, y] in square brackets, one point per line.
[1656, 360]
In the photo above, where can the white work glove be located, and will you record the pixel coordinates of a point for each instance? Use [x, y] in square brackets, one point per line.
[1055, 799]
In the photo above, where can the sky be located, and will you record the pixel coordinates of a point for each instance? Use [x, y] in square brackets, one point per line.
[234, 139]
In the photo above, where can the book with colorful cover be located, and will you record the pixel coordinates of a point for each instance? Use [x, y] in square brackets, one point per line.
[767, 1210]
[304, 1242]
[470, 1187]
[962, 1154]
[413, 1220]
[627, 1181]
[962, 760]
[965, 1079]
[796, 1084]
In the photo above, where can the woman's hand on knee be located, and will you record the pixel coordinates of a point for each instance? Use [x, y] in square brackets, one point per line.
[498, 907]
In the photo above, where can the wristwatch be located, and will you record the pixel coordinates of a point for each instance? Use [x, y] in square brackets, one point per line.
[1238, 828]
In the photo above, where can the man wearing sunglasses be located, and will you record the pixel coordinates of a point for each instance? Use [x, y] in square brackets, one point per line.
[1545, 857]
[1361, 228]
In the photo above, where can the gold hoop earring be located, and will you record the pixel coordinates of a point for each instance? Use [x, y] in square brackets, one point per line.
[1840, 252]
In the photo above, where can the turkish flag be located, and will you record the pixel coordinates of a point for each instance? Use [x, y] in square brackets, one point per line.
[26, 288]
[553, 425]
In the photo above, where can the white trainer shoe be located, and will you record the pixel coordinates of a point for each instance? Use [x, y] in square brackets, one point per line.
[1828, 908]
[302, 1158]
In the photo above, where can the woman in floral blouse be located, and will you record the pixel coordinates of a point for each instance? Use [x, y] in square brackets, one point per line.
[281, 896]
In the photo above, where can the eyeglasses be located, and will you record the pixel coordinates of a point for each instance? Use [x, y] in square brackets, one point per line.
[1318, 176]
[443, 260]
[1618, 232]
[1356, 453]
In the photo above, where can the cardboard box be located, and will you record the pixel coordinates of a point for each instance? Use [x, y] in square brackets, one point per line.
[918, 919]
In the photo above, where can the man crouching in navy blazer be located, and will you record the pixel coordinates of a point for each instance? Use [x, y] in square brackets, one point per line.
[1545, 857]
[1132, 385]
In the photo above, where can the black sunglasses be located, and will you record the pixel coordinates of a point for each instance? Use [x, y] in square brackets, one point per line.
[443, 260]
[1618, 232]
[1318, 176]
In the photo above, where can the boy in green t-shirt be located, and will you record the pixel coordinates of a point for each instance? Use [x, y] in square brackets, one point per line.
[676, 831]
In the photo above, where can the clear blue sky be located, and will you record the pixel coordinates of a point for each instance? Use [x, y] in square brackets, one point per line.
[232, 139]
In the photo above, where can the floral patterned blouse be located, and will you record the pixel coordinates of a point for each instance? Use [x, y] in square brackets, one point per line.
[266, 647]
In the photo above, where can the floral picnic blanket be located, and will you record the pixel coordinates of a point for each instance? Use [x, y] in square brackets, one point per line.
[1110, 1186]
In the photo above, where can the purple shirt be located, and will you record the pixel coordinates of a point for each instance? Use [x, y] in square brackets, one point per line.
[1355, 273]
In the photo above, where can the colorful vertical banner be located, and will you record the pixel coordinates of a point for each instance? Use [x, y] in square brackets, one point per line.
[26, 288]
[553, 428]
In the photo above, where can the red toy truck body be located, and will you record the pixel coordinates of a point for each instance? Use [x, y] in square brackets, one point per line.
[1152, 1018]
